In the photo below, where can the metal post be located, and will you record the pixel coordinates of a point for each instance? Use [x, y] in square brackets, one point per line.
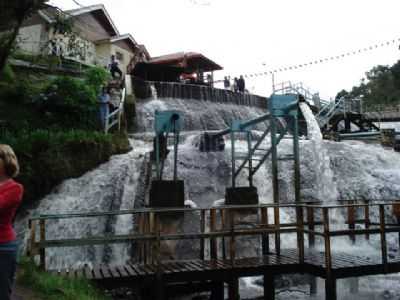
[176, 142]
[250, 158]
[233, 157]
[296, 159]
[158, 157]
[274, 157]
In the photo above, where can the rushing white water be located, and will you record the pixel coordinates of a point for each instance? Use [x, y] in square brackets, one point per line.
[329, 171]
[326, 185]
[111, 186]
[198, 115]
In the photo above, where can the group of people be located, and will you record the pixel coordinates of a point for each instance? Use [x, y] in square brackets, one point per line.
[239, 84]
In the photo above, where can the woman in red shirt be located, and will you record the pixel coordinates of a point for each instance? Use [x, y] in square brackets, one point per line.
[10, 199]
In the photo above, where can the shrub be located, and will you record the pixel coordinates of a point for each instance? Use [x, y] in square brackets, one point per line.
[95, 77]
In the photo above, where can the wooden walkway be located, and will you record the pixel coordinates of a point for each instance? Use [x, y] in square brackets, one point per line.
[222, 264]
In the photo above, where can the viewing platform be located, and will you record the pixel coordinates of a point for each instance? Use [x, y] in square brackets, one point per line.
[217, 260]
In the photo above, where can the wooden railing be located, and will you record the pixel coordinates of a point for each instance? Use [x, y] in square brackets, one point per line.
[220, 223]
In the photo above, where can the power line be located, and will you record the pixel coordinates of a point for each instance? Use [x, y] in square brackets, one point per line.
[323, 60]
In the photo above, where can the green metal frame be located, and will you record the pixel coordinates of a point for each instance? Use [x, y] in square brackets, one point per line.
[167, 122]
[280, 106]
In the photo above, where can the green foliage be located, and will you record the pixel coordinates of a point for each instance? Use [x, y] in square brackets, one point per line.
[7, 75]
[56, 287]
[70, 92]
[381, 86]
[58, 155]
[95, 77]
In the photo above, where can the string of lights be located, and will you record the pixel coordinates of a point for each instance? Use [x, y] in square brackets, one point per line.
[323, 60]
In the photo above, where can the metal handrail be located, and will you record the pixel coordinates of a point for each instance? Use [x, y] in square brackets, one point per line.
[109, 122]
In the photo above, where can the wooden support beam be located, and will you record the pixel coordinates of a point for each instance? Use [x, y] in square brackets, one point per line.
[269, 287]
[233, 289]
[217, 292]
[330, 289]
[42, 250]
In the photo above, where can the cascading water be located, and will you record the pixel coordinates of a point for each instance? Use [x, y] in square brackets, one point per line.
[325, 183]
[329, 171]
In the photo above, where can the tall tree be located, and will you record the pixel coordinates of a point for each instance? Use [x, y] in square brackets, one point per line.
[12, 15]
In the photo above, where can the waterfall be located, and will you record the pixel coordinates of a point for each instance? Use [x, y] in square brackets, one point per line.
[198, 115]
[111, 186]
[329, 170]
[325, 183]
[153, 91]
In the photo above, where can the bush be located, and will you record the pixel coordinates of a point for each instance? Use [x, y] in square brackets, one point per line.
[95, 77]
[70, 92]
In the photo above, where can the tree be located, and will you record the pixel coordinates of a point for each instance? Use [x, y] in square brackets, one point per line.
[12, 15]
[381, 86]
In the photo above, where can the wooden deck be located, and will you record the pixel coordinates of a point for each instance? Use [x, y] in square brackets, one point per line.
[221, 263]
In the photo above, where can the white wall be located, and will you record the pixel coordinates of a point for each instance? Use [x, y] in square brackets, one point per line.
[29, 39]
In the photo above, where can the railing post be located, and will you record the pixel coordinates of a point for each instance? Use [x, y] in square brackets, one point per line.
[223, 226]
[265, 236]
[351, 215]
[300, 232]
[396, 212]
[277, 230]
[383, 236]
[311, 226]
[232, 246]
[42, 249]
[330, 281]
[367, 219]
[202, 229]
[213, 244]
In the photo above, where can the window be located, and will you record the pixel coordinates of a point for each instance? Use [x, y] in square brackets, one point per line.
[119, 56]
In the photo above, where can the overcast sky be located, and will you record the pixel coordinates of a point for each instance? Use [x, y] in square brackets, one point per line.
[241, 35]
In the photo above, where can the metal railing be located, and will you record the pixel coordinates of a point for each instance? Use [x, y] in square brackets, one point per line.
[115, 118]
[176, 90]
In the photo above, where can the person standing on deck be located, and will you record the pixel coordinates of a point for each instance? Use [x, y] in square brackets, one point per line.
[10, 199]
[235, 85]
[241, 84]
[227, 83]
[104, 102]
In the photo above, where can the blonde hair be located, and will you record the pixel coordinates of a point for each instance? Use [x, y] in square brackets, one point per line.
[10, 160]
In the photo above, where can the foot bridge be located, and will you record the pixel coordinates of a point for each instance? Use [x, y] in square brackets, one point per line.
[284, 239]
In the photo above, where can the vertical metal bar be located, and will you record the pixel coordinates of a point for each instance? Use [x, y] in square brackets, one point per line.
[42, 249]
[274, 157]
[296, 159]
[250, 158]
[233, 157]
[176, 143]
[383, 236]
[158, 156]
[202, 229]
